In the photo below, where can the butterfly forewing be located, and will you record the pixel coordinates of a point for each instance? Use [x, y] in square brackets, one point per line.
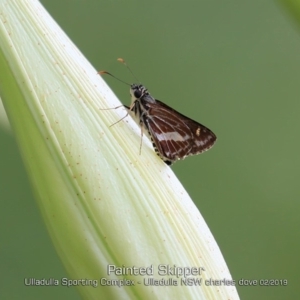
[174, 135]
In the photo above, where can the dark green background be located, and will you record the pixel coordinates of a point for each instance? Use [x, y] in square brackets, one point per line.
[231, 65]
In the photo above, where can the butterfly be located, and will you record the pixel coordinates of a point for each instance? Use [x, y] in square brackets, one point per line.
[173, 135]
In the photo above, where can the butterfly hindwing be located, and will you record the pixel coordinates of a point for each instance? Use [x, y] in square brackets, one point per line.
[174, 135]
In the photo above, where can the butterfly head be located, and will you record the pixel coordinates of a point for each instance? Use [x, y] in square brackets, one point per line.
[137, 91]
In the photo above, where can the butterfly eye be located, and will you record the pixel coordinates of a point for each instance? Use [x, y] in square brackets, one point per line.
[137, 94]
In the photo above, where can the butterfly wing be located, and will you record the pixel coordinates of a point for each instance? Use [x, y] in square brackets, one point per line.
[174, 135]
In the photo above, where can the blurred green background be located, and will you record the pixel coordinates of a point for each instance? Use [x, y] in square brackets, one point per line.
[233, 66]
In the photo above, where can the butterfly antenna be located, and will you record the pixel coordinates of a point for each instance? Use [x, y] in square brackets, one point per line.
[105, 72]
[121, 60]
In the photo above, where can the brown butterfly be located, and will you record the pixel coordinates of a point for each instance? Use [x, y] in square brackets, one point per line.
[173, 135]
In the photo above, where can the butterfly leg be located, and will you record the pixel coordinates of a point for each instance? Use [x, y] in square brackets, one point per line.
[113, 107]
[142, 132]
[119, 120]
[129, 108]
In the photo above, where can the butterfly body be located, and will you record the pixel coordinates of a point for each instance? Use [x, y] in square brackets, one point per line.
[174, 136]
